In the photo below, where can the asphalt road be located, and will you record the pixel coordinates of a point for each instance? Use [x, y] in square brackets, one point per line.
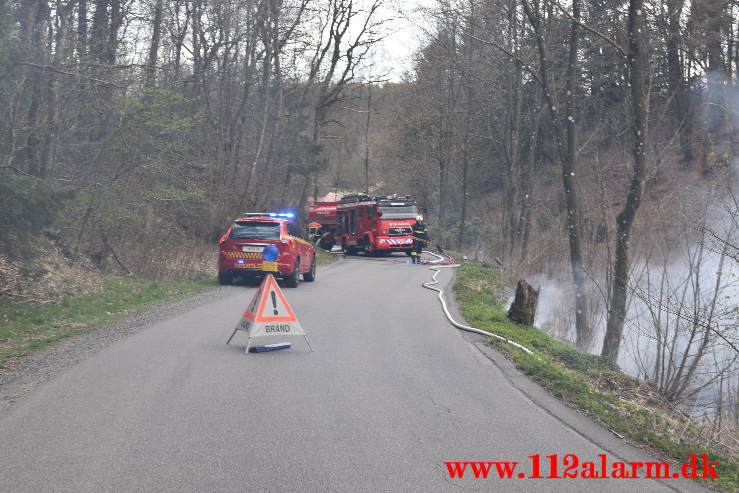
[391, 392]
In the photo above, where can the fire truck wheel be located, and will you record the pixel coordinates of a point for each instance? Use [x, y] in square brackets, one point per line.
[348, 250]
[291, 281]
[225, 278]
[311, 276]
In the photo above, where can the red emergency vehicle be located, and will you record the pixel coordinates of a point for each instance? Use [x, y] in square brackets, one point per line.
[258, 244]
[375, 225]
[324, 213]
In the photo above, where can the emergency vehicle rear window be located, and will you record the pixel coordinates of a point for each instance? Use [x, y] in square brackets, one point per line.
[399, 212]
[256, 231]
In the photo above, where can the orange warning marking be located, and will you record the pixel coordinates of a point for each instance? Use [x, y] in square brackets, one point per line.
[265, 289]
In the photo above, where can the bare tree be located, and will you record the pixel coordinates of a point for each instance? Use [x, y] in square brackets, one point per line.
[625, 219]
[337, 54]
[690, 327]
[566, 142]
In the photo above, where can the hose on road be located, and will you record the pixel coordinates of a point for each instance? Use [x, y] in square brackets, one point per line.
[442, 263]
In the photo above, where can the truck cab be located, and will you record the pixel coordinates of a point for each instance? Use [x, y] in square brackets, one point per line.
[375, 225]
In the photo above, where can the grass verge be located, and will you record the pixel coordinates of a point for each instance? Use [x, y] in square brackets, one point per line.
[27, 326]
[323, 257]
[625, 405]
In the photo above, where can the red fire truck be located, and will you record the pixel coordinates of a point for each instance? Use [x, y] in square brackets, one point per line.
[375, 225]
[324, 213]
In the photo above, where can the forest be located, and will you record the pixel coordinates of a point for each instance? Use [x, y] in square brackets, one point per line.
[589, 146]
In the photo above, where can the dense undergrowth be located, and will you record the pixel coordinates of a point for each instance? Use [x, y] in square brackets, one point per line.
[629, 407]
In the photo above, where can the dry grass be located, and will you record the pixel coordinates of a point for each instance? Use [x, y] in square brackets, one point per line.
[47, 278]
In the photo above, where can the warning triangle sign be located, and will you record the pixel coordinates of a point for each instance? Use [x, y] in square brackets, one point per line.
[269, 314]
[271, 305]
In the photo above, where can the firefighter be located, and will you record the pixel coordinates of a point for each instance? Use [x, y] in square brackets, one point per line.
[314, 231]
[420, 239]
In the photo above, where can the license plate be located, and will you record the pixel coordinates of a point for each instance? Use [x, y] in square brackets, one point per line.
[252, 249]
[248, 266]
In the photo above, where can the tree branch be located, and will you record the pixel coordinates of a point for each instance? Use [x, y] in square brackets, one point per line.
[19, 171]
[71, 74]
[509, 55]
[602, 36]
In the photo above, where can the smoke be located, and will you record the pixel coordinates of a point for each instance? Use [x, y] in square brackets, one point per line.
[722, 96]
[684, 285]
[684, 291]
[719, 105]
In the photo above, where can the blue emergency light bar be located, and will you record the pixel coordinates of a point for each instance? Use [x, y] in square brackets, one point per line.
[283, 215]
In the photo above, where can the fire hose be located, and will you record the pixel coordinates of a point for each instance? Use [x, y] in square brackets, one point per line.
[443, 263]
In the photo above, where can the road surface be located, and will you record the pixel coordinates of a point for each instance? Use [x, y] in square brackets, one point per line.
[391, 392]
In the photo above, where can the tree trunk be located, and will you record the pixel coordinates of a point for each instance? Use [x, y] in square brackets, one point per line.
[582, 325]
[469, 82]
[523, 309]
[714, 114]
[675, 77]
[116, 21]
[34, 21]
[64, 18]
[528, 162]
[366, 139]
[156, 29]
[567, 151]
[269, 52]
[512, 143]
[625, 219]
[99, 32]
[82, 28]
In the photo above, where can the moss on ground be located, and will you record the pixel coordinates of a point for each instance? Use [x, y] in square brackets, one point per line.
[587, 382]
